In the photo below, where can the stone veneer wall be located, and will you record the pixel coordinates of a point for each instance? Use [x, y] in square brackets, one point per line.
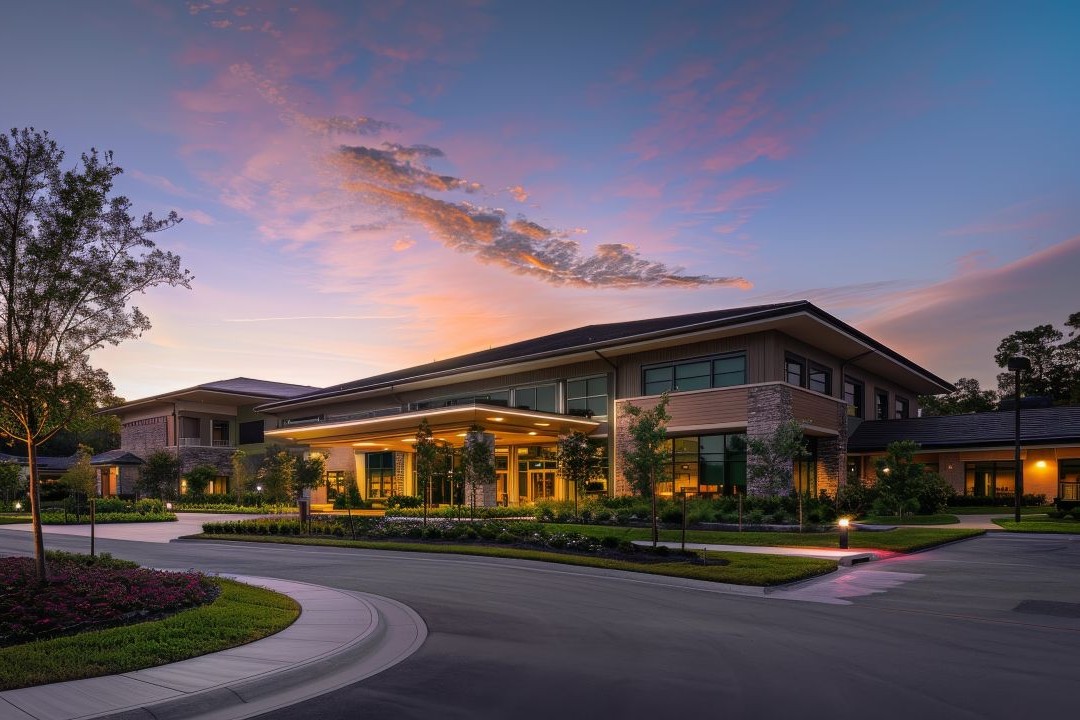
[399, 473]
[832, 456]
[217, 457]
[145, 437]
[767, 407]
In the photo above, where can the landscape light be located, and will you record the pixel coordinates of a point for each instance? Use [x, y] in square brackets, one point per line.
[844, 523]
[18, 506]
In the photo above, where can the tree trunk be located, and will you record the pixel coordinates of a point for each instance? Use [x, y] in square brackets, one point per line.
[35, 511]
[655, 527]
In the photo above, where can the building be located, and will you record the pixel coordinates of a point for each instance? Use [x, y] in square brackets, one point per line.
[202, 425]
[975, 453]
[728, 373]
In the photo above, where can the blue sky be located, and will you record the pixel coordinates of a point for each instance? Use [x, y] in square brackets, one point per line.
[372, 185]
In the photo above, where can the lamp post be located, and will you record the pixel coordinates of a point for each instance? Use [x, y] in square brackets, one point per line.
[844, 523]
[1017, 365]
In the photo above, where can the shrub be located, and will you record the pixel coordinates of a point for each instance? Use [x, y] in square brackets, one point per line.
[671, 514]
[609, 541]
[505, 537]
[403, 501]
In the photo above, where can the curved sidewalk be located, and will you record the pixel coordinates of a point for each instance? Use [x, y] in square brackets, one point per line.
[340, 638]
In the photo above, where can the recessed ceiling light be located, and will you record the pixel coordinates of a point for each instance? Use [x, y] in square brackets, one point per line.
[495, 419]
[463, 435]
[541, 424]
[532, 432]
[364, 444]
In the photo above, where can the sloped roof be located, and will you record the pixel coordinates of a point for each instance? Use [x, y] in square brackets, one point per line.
[1040, 426]
[116, 457]
[597, 338]
[239, 386]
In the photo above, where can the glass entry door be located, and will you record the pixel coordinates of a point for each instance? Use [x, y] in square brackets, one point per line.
[542, 484]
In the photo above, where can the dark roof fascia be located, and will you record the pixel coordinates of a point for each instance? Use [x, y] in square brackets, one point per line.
[399, 377]
[752, 316]
[178, 394]
[875, 345]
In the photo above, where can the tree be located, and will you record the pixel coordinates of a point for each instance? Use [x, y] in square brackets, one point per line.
[647, 456]
[771, 458]
[158, 475]
[71, 257]
[276, 474]
[477, 463]
[1055, 362]
[967, 398]
[906, 485]
[12, 483]
[199, 478]
[577, 457]
[308, 473]
[81, 476]
[427, 456]
[242, 475]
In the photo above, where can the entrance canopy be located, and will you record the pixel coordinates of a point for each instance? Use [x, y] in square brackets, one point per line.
[398, 432]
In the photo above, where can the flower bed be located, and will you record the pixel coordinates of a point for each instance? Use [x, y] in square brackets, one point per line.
[84, 593]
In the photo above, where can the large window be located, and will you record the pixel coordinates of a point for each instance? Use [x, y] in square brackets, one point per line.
[380, 475]
[810, 375]
[543, 398]
[696, 375]
[587, 397]
[251, 432]
[219, 430]
[706, 465]
[853, 396]
[1069, 480]
[989, 479]
[805, 470]
[881, 405]
[335, 484]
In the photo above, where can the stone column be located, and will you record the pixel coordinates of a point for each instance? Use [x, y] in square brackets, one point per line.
[767, 407]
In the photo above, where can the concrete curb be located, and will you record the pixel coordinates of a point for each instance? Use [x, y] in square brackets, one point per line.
[340, 638]
[845, 558]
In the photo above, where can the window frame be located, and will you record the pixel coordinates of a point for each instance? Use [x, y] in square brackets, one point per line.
[587, 397]
[855, 408]
[672, 368]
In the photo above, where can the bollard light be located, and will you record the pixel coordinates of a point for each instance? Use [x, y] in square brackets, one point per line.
[18, 506]
[844, 523]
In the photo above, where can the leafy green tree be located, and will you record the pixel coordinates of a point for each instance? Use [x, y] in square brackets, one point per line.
[308, 474]
[1055, 362]
[647, 456]
[477, 463]
[967, 398]
[199, 478]
[81, 477]
[276, 474]
[159, 475]
[12, 483]
[578, 462]
[242, 475]
[71, 257]
[770, 459]
[427, 456]
[905, 485]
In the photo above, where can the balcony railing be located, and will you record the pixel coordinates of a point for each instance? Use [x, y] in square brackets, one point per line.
[199, 442]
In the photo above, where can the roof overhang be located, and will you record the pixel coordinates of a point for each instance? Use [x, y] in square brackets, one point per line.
[398, 432]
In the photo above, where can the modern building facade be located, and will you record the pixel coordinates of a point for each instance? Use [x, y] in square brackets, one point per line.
[202, 425]
[728, 373]
[975, 453]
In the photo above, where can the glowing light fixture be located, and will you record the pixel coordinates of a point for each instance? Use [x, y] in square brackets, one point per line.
[844, 523]
[495, 419]
[364, 444]
[541, 424]
[1040, 464]
[532, 432]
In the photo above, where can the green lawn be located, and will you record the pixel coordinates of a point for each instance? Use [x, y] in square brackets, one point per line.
[1042, 525]
[999, 510]
[898, 540]
[910, 520]
[740, 568]
[239, 615]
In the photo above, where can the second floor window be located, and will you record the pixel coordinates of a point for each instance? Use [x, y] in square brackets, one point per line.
[543, 398]
[799, 371]
[902, 408]
[587, 397]
[695, 375]
[881, 405]
[853, 396]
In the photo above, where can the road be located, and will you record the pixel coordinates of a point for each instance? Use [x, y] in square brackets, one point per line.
[986, 628]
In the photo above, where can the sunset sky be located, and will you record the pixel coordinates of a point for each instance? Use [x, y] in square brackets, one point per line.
[371, 185]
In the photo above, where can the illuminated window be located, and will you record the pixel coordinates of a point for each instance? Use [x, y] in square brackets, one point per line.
[335, 484]
[1069, 480]
[380, 474]
[853, 396]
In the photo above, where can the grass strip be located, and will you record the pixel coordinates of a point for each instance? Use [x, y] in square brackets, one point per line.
[1000, 510]
[239, 615]
[14, 519]
[898, 540]
[740, 568]
[911, 520]
[1062, 526]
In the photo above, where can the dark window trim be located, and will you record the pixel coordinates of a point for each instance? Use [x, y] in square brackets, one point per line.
[711, 359]
[881, 413]
[858, 394]
[901, 401]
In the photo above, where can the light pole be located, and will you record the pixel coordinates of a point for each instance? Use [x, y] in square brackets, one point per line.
[1017, 365]
[844, 523]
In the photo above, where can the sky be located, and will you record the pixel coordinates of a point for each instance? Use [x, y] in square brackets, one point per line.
[367, 186]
